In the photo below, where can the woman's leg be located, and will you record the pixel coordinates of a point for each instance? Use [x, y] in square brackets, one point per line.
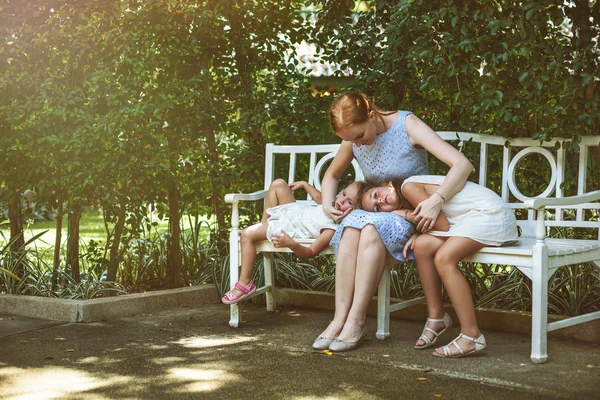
[279, 193]
[425, 249]
[344, 280]
[371, 262]
[446, 263]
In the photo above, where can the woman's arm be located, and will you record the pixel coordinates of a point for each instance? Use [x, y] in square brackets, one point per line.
[310, 189]
[415, 193]
[421, 135]
[315, 248]
[329, 185]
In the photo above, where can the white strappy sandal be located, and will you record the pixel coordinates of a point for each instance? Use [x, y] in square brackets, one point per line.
[480, 345]
[447, 321]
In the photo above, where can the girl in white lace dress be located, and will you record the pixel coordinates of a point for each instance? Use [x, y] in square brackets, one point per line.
[284, 220]
[473, 218]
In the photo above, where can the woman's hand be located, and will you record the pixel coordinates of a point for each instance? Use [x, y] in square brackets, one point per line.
[410, 245]
[336, 214]
[426, 213]
[283, 240]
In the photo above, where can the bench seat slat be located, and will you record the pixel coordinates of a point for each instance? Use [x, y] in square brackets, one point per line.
[556, 247]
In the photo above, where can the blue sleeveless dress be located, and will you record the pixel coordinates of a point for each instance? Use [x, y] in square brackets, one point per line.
[390, 157]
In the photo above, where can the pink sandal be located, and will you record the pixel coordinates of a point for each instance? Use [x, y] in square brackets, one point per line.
[232, 298]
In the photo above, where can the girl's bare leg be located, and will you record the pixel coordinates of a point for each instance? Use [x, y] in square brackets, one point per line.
[279, 193]
[248, 239]
[425, 250]
[446, 263]
[344, 280]
[371, 262]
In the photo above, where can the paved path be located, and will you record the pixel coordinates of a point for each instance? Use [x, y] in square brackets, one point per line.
[194, 354]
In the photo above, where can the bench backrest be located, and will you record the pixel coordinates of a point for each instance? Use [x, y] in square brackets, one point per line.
[489, 148]
[317, 156]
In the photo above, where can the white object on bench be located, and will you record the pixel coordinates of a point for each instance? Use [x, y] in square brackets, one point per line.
[535, 255]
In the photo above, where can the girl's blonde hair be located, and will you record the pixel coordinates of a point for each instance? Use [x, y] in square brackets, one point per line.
[361, 187]
[351, 108]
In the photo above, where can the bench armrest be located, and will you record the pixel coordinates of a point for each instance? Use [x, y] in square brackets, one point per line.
[235, 197]
[539, 203]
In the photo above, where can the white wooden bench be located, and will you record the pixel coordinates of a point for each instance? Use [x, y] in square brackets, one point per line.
[536, 255]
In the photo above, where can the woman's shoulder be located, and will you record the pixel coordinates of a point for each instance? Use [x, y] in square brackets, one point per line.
[394, 118]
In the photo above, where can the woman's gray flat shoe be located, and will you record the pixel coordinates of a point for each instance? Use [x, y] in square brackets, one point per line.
[322, 343]
[340, 345]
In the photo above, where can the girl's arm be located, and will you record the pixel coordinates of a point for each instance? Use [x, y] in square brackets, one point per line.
[410, 245]
[421, 135]
[310, 189]
[406, 213]
[415, 193]
[329, 185]
[315, 248]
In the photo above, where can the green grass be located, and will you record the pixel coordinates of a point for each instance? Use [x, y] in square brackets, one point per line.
[91, 227]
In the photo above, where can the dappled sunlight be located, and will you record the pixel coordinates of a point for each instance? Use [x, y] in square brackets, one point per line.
[150, 346]
[203, 342]
[321, 398]
[167, 360]
[345, 392]
[202, 379]
[51, 382]
[88, 360]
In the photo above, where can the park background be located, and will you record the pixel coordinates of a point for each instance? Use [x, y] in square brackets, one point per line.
[123, 124]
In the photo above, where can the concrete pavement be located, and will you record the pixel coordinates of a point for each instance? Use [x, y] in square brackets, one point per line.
[192, 353]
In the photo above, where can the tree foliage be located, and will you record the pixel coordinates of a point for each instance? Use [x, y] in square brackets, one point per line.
[510, 68]
[132, 104]
[166, 105]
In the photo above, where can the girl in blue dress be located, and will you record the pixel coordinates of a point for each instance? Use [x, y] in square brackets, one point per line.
[389, 146]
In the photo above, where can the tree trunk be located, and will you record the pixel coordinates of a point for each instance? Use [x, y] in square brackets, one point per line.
[16, 221]
[73, 242]
[173, 248]
[16, 227]
[532, 124]
[217, 196]
[56, 265]
[114, 248]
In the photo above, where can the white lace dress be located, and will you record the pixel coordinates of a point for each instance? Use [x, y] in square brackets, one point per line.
[475, 212]
[300, 220]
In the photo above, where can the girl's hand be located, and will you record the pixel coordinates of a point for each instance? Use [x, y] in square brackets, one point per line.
[426, 213]
[283, 240]
[410, 245]
[336, 214]
[297, 185]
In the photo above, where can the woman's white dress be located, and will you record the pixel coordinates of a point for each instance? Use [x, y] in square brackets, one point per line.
[300, 220]
[475, 212]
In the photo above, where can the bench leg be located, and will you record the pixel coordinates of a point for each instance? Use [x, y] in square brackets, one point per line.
[235, 310]
[539, 309]
[270, 281]
[383, 307]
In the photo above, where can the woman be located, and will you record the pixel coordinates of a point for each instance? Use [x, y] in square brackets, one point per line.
[389, 146]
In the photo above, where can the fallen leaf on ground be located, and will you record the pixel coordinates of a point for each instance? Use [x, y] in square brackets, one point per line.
[421, 379]
[437, 395]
